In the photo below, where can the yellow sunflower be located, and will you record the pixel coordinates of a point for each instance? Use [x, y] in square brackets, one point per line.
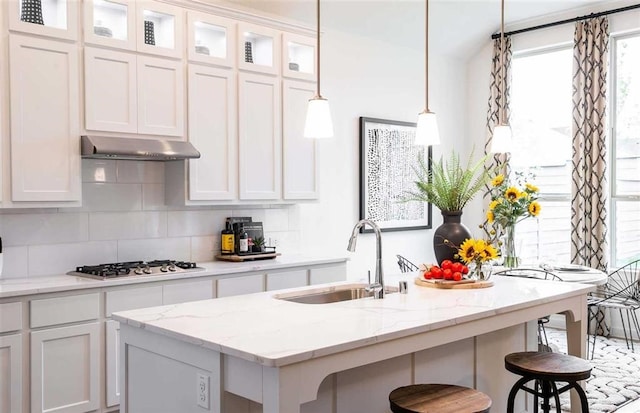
[467, 250]
[531, 187]
[489, 252]
[494, 204]
[490, 216]
[498, 180]
[534, 208]
[512, 194]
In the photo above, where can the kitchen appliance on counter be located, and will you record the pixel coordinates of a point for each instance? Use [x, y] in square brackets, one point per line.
[134, 269]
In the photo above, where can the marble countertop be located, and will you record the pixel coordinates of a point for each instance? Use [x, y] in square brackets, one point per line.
[273, 332]
[14, 287]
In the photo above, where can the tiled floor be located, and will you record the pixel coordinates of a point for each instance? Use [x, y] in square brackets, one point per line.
[630, 408]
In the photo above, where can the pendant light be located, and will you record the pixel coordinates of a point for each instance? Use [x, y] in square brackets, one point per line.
[502, 141]
[318, 123]
[427, 129]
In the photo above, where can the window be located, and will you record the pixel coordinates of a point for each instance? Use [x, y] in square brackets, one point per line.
[541, 93]
[541, 107]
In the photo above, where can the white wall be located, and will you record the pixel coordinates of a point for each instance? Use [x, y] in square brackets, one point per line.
[124, 217]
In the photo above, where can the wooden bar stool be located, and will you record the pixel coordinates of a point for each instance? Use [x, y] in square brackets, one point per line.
[547, 369]
[438, 398]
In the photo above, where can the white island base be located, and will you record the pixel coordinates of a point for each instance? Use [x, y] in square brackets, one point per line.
[166, 367]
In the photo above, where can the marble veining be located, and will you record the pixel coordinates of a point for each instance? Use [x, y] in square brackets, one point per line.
[15, 287]
[273, 332]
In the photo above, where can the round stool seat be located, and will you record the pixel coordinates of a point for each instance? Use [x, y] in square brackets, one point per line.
[548, 366]
[438, 398]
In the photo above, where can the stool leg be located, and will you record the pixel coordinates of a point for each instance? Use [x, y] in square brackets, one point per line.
[583, 398]
[546, 395]
[556, 397]
[512, 394]
[536, 385]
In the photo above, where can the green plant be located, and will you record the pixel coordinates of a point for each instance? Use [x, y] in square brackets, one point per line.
[448, 185]
[258, 242]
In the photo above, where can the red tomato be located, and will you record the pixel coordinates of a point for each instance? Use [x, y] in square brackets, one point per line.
[456, 267]
[447, 274]
[465, 269]
[446, 264]
[457, 276]
[436, 272]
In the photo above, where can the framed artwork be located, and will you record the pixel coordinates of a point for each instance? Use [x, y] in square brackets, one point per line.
[387, 160]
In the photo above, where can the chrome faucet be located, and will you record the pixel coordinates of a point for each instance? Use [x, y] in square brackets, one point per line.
[378, 285]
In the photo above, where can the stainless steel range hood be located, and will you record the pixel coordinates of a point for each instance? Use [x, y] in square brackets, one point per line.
[103, 147]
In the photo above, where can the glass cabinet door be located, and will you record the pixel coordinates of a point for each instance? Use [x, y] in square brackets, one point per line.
[298, 56]
[54, 18]
[110, 23]
[159, 28]
[258, 49]
[211, 39]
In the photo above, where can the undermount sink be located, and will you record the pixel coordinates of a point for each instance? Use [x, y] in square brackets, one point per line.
[334, 295]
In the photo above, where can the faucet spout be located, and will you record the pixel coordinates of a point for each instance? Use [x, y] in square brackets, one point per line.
[379, 276]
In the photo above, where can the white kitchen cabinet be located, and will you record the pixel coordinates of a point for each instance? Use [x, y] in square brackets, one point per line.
[211, 39]
[258, 49]
[160, 96]
[110, 23]
[167, 26]
[286, 279]
[187, 291]
[300, 155]
[110, 95]
[45, 139]
[327, 274]
[298, 57]
[242, 284]
[112, 346]
[133, 94]
[11, 373]
[65, 369]
[60, 18]
[212, 129]
[260, 139]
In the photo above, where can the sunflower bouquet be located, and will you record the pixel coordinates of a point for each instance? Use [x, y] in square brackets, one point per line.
[511, 202]
[475, 252]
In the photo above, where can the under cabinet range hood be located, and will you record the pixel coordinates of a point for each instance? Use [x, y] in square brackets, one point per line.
[104, 147]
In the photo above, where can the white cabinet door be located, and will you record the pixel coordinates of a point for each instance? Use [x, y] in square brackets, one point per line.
[160, 96]
[11, 374]
[65, 369]
[212, 129]
[328, 274]
[300, 156]
[45, 139]
[298, 56]
[286, 279]
[240, 285]
[112, 344]
[110, 80]
[164, 23]
[211, 39]
[110, 23]
[260, 145]
[59, 17]
[187, 291]
[258, 49]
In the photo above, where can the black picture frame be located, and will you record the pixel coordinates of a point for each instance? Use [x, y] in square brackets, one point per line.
[387, 160]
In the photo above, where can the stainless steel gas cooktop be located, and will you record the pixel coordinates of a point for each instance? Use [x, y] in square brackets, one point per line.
[134, 269]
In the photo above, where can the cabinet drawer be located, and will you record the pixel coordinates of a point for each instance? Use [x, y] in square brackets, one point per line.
[52, 311]
[10, 317]
[286, 279]
[333, 273]
[240, 285]
[132, 299]
[184, 292]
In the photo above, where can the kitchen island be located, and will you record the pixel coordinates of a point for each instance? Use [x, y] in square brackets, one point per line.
[338, 357]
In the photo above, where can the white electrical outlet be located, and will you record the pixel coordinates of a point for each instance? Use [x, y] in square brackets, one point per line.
[203, 391]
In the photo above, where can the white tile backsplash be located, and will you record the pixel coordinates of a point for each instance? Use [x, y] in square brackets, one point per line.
[127, 225]
[111, 197]
[51, 228]
[276, 219]
[203, 249]
[153, 197]
[155, 249]
[137, 172]
[15, 262]
[189, 223]
[61, 258]
[98, 170]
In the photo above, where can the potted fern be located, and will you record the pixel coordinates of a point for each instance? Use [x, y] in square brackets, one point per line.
[449, 186]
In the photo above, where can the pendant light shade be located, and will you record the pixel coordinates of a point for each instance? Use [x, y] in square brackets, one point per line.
[427, 128]
[502, 139]
[318, 123]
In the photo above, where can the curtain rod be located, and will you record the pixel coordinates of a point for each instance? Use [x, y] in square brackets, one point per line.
[575, 19]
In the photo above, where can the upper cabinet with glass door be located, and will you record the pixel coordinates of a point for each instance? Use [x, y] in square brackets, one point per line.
[298, 57]
[110, 23]
[258, 49]
[159, 28]
[53, 18]
[211, 39]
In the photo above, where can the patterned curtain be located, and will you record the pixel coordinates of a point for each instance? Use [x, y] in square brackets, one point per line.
[493, 114]
[589, 185]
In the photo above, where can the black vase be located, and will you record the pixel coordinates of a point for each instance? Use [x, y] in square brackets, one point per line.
[449, 236]
[149, 34]
[31, 11]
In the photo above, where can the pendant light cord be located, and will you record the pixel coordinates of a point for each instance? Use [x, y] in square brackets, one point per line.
[318, 47]
[426, 56]
[503, 92]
